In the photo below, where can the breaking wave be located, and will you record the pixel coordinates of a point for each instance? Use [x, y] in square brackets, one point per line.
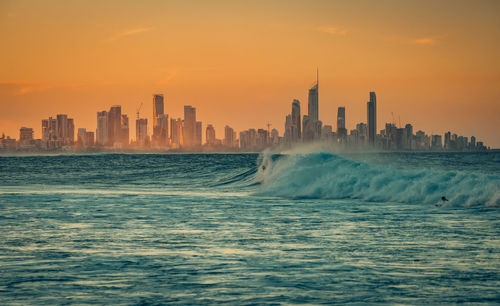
[330, 176]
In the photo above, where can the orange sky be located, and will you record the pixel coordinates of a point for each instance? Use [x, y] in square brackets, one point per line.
[434, 64]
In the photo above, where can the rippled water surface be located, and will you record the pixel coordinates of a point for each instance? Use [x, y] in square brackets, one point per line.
[242, 228]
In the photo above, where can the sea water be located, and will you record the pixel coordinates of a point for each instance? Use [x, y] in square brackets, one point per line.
[250, 229]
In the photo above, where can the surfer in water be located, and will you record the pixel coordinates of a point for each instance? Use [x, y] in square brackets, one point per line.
[443, 200]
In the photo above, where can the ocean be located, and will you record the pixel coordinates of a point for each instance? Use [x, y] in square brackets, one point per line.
[297, 228]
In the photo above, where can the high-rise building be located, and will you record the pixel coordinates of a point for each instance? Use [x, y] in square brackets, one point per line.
[158, 110]
[275, 137]
[158, 107]
[341, 129]
[262, 138]
[288, 129]
[114, 124]
[340, 118]
[62, 127]
[371, 113]
[161, 130]
[229, 138]
[327, 132]
[176, 132]
[25, 135]
[141, 131]
[102, 128]
[210, 135]
[49, 129]
[197, 134]
[124, 131]
[308, 128]
[81, 137]
[70, 138]
[408, 137]
[297, 128]
[89, 139]
[362, 132]
[113, 128]
[472, 144]
[189, 126]
[59, 131]
[65, 129]
[244, 140]
[312, 102]
[447, 141]
[311, 126]
[436, 142]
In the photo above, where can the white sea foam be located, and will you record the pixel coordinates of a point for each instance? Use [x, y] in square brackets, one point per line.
[331, 176]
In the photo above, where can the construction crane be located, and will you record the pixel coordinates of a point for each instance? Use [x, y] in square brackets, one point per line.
[138, 110]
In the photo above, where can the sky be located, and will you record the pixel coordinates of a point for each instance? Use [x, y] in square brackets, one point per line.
[434, 64]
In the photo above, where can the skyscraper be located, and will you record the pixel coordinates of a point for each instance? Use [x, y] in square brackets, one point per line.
[371, 112]
[289, 129]
[114, 124]
[81, 137]
[58, 131]
[340, 118]
[210, 135]
[49, 129]
[312, 103]
[161, 130]
[297, 130]
[275, 137]
[102, 138]
[341, 130]
[176, 132]
[311, 126]
[157, 107]
[229, 138]
[141, 131]
[189, 125]
[25, 135]
[197, 134]
[157, 112]
[447, 140]
[124, 131]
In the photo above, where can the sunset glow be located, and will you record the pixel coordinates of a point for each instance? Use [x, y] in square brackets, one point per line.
[433, 64]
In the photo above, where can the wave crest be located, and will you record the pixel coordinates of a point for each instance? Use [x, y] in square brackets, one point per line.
[330, 176]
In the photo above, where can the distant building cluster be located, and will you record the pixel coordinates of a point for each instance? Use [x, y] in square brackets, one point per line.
[365, 136]
[113, 128]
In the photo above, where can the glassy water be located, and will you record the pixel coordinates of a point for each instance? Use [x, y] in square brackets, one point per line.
[243, 228]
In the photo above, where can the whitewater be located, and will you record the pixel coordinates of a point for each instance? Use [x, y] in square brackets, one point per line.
[295, 227]
[329, 176]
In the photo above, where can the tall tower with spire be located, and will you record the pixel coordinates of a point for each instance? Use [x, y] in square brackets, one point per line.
[311, 126]
[312, 101]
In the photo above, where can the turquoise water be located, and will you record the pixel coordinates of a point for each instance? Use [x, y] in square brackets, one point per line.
[250, 229]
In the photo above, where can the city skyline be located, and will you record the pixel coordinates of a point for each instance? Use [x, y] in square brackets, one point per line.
[113, 132]
[439, 75]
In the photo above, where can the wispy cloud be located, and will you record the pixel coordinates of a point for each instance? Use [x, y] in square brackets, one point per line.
[333, 30]
[24, 88]
[166, 80]
[423, 41]
[131, 32]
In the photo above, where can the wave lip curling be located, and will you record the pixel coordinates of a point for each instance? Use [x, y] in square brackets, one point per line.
[329, 176]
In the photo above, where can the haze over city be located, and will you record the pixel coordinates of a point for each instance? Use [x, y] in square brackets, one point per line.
[243, 152]
[241, 64]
